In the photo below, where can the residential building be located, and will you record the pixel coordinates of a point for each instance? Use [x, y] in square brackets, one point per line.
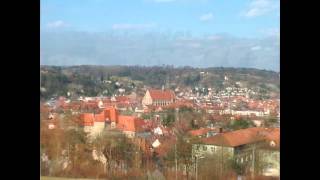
[132, 126]
[94, 124]
[257, 149]
[205, 132]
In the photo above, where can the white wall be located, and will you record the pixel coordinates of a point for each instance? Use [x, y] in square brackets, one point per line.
[98, 128]
[210, 149]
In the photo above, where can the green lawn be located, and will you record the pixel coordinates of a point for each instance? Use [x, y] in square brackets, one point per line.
[61, 178]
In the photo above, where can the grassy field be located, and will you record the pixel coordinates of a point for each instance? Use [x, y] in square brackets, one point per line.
[61, 178]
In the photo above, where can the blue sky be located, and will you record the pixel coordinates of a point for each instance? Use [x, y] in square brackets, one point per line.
[240, 18]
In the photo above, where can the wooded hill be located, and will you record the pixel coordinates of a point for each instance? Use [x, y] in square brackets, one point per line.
[102, 80]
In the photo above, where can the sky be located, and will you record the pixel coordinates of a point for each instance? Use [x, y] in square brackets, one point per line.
[240, 19]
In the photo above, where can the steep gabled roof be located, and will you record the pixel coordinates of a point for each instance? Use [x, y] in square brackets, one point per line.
[131, 123]
[87, 119]
[157, 94]
[99, 117]
[111, 113]
[244, 136]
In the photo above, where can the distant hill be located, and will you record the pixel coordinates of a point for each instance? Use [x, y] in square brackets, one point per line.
[98, 80]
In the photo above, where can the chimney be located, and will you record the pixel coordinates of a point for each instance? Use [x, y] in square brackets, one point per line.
[162, 87]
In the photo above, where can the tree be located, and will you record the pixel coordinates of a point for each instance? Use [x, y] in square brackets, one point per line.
[270, 121]
[121, 154]
[169, 119]
[184, 153]
[240, 124]
[216, 166]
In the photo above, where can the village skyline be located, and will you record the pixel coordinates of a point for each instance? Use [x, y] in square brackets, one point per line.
[160, 89]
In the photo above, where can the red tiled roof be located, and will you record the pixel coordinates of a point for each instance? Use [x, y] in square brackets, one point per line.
[180, 104]
[123, 99]
[273, 134]
[87, 119]
[199, 132]
[131, 123]
[100, 117]
[126, 123]
[111, 113]
[161, 94]
[244, 136]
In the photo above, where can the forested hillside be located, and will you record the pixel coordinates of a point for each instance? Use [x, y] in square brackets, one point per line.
[105, 80]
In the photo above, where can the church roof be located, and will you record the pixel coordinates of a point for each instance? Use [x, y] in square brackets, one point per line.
[157, 94]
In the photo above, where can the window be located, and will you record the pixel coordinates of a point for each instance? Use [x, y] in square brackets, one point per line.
[212, 149]
[204, 148]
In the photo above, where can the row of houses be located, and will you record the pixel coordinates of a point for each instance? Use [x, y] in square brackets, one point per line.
[156, 98]
[110, 118]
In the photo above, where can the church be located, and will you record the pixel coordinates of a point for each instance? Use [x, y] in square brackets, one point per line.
[158, 97]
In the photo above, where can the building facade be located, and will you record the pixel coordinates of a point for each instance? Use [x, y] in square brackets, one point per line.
[255, 149]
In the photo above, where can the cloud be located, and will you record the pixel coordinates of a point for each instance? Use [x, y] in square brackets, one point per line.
[157, 48]
[255, 48]
[261, 7]
[271, 32]
[206, 17]
[126, 26]
[214, 37]
[57, 24]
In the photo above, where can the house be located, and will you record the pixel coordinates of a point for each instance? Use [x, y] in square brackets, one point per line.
[132, 126]
[111, 115]
[180, 103]
[257, 123]
[87, 122]
[94, 124]
[250, 148]
[205, 132]
[158, 97]
[164, 146]
[157, 131]
[156, 143]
